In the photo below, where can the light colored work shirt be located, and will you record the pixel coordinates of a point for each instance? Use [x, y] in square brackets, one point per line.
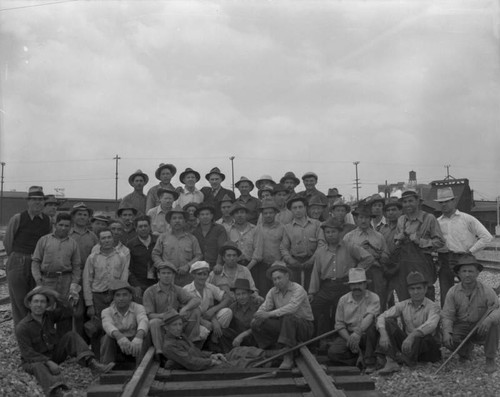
[228, 224]
[300, 240]
[134, 320]
[267, 242]
[424, 227]
[159, 223]
[86, 241]
[463, 232]
[351, 313]
[135, 200]
[292, 301]
[152, 199]
[225, 280]
[186, 197]
[424, 317]
[244, 239]
[179, 249]
[211, 294]
[371, 241]
[158, 299]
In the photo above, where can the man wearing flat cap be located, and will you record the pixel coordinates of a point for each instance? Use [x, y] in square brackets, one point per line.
[189, 194]
[164, 173]
[165, 296]
[137, 199]
[178, 247]
[41, 356]
[340, 211]
[23, 231]
[417, 339]
[99, 221]
[158, 215]
[310, 180]
[245, 186]
[466, 303]
[464, 235]
[214, 194]
[126, 326]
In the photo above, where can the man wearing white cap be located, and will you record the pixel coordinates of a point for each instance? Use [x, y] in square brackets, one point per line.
[355, 322]
[463, 234]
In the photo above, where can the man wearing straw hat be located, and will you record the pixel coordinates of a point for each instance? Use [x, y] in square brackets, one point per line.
[136, 199]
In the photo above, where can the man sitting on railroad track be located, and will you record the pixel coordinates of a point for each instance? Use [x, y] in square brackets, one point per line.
[285, 317]
[416, 340]
[42, 351]
[465, 305]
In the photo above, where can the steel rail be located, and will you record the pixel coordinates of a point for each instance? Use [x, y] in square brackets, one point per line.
[143, 377]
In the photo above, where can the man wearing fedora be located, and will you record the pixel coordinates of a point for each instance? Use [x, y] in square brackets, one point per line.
[290, 182]
[463, 234]
[41, 356]
[310, 180]
[226, 219]
[332, 262]
[214, 194]
[317, 208]
[50, 207]
[137, 199]
[416, 340]
[466, 303]
[210, 235]
[242, 232]
[280, 196]
[127, 215]
[159, 223]
[245, 186]
[163, 297]
[178, 247]
[189, 194]
[80, 232]
[300, 240]
[285, 318]
[164, 173]
[339, 211]
[268, 237]
[126, 326]
[355, 322]
[418, 237]
[22, 233]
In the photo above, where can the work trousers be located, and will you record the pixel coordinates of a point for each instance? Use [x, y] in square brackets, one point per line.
[446, 274]
[490, 340]
[378, 284]
[20, 282]
[191, 329]
[111, 352]
[340, 354]
[70, 345]
[61, 284]
[325, 303]
[302, 276]
[424, 349]
[93, 327]
[223, 316]
[226, 341]
[259, 276]
[288, 331]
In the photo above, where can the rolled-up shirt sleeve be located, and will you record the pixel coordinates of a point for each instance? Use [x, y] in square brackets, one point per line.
[430, 325]
[107, 322]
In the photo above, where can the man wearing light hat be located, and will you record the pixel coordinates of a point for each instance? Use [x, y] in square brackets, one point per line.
[355, 322]
[189, 194]
[214, 194]
[463, 234]
[310, 179]
[164, 173]
[22, 233]
[215, 314]
[418, 237]
[165, 296]
[137, 199]
[159, 223]
[245, 186]
[466, 303]
[417, 339]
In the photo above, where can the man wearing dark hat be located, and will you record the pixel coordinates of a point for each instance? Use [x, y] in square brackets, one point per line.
[127, 216]
[300, 240]
[191, 219]
[466, 303]
[245, 186]
[463, 234]
[226, 219]
[50, 208]
[159, 223]
[317, 208]
[268, 237]
[162, 298]
[280, 196]
[22, 233]
[392, 212]
[242, 232]
[137, 199]
[310, 180]
[141, 270]
[332, 262]
[80, 232]
[126, 326]
[164, 174]
[285, 318]
[42, 351]
[418, 237]
[290, 181]
[339, 211]
[178, 247]
[189, 194]
[99, 221]
[355, 322]
[376, 203]
[417, 339]
[214, 194]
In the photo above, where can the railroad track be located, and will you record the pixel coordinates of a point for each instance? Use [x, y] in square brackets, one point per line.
[309, 379]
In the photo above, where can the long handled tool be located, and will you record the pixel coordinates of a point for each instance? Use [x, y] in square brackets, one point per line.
[469, 335]
[292, 349]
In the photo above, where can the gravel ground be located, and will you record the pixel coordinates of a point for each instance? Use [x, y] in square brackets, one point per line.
[456, 380]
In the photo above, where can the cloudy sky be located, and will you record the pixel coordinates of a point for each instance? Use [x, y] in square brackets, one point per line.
[281, 85]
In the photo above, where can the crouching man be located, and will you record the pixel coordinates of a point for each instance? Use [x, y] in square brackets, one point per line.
[42, 351]
[417, 340]
[285, 317]
[355, 321]
[465, 304]
[125, 324]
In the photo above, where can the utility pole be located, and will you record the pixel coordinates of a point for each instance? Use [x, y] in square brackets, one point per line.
[357, 180]
[116, 158]
[232, 171]
[1, 194]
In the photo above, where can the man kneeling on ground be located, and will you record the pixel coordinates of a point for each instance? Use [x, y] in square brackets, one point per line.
[416, 341]
[41, 350]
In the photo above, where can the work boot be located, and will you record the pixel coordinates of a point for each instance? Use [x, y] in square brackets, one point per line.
[490, 366]
[390, 367]
[97, 368]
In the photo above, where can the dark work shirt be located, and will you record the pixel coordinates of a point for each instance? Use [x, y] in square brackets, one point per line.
[183, 352]
[211, 242]
[252, 204]
[140, 262]
[209, 198]
[243, 314]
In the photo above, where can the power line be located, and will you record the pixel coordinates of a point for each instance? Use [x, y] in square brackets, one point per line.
[37, 5]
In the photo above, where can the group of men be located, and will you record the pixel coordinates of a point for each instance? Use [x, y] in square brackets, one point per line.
[182, 268]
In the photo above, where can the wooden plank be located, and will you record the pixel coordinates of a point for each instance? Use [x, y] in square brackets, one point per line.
[97, 390]
[222, 374]
[363, 393]
[358, 382]
[342, 371]
[134, 388]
